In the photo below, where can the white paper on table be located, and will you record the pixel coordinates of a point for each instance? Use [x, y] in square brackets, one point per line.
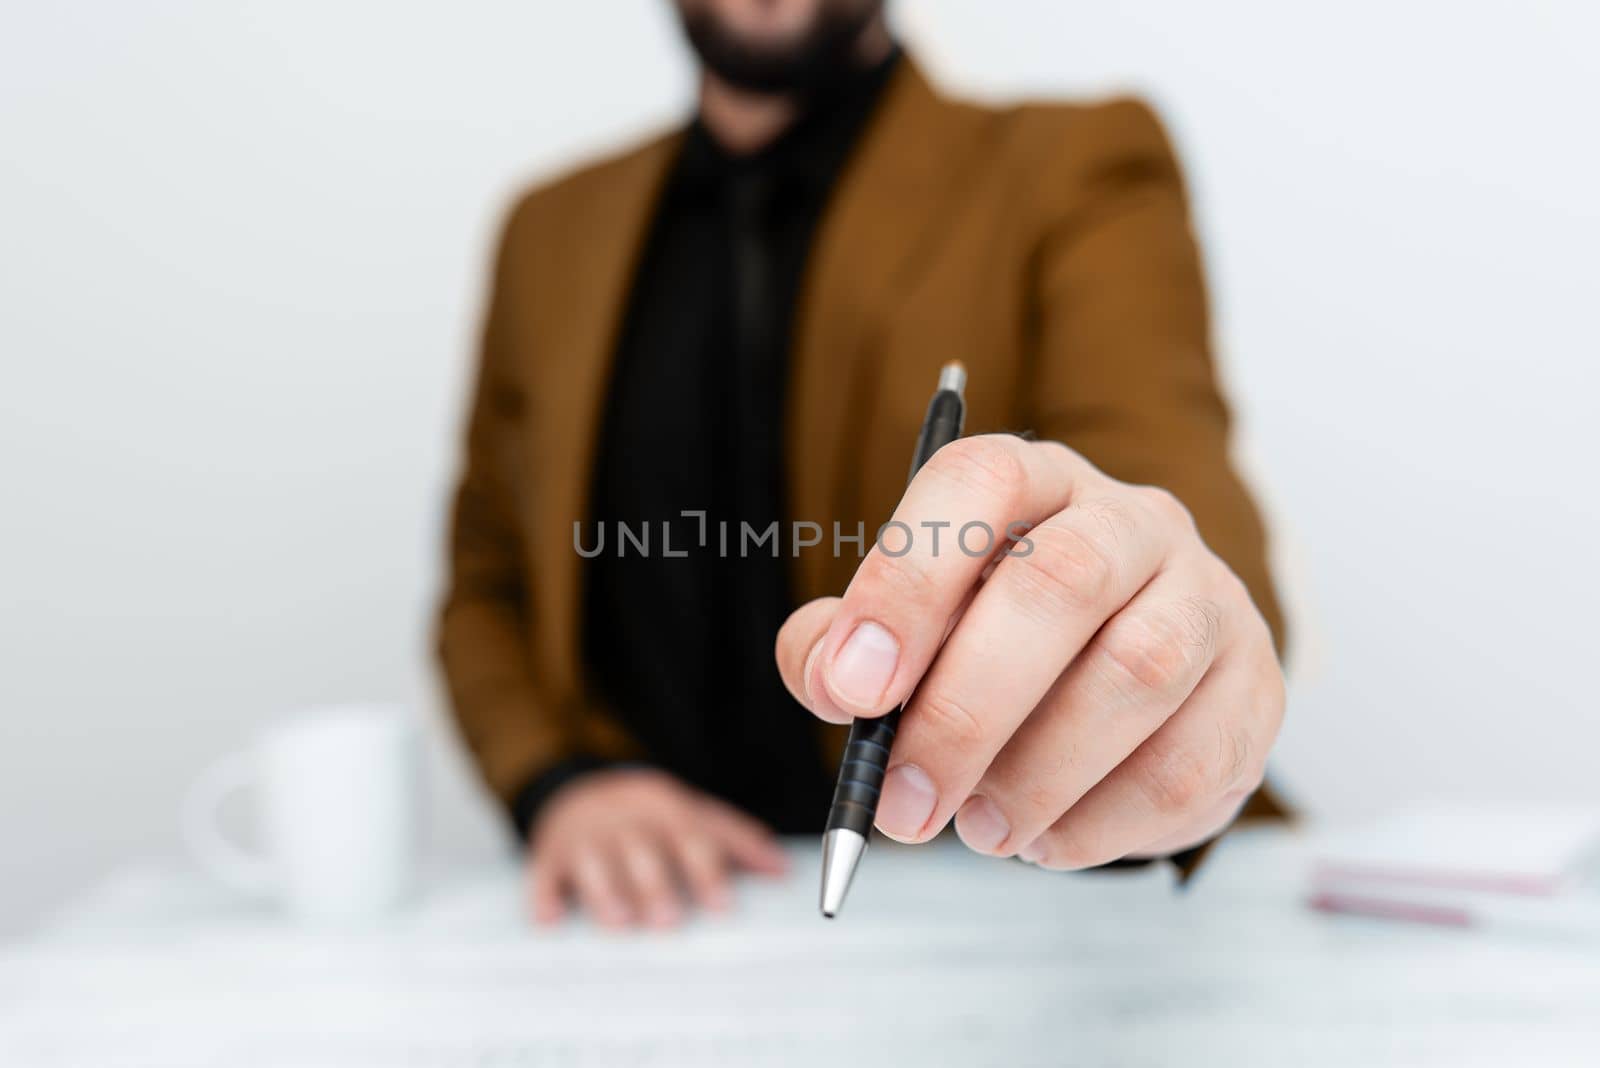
[1536, 849]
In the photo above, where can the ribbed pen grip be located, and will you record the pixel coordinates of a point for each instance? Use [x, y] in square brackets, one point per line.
[866, 757]
[866, 754]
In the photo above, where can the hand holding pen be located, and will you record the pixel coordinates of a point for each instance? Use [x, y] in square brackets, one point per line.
[1111, 691]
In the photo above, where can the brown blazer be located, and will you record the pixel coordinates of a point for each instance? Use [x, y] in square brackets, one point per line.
[1046, 245]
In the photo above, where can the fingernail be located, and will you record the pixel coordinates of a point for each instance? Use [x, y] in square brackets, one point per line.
[864, 666]
[1033, 852]
[817, 699]
[981, 824]
[908, 799]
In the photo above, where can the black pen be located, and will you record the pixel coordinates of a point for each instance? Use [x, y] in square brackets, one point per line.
[866, 754]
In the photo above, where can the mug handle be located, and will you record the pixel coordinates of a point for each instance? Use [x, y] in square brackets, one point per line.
[227, 861]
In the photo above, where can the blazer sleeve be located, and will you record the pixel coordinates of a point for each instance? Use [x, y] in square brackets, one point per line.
[1123, 368]
[522, 743]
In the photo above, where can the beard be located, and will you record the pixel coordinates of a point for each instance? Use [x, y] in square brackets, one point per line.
[822, 54]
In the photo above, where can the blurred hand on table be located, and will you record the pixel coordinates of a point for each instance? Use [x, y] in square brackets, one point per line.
[637, 846]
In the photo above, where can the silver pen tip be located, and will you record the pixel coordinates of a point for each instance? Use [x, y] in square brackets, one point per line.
[953, 376]
[841, 852]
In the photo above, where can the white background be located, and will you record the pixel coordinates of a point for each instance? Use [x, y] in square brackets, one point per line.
[241, 252]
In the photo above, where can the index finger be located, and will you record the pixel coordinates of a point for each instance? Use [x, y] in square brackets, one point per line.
[954, 516]
[547, 876]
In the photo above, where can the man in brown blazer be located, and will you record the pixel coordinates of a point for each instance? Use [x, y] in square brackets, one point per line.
[736, 327]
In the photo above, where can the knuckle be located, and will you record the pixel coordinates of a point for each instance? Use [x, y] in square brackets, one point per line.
[1166, 504]
[1161, 653]
[1242, 604]
[1232, 585]
[988, 463]
[675, 814]
[673, 822]
[906, 580]
[1063, 453]
[1176, 781]
[1198, 623]
[1235, 755]
[1235, 798]
[1066, 573]
[705, 859]
[1113, 516]
[949, 718]
[1068, 460]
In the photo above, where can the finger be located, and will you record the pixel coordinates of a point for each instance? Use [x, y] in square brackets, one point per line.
[896, 609]
[648, 880]
[798, 640]
[1025, 626]
[1207, 758]
[701, 861]
[547, 887]
[599, 886]
[1133, 675]
[1201, 830]
[750, 844]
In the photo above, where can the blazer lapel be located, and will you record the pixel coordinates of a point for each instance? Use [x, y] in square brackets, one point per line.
[876, 233]
[589, 277]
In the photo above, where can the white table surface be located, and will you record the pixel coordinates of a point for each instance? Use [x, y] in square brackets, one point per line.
[942, 957]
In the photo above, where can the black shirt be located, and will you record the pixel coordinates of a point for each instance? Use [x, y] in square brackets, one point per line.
[681, 646]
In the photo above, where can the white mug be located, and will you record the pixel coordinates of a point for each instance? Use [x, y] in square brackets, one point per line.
[336, 797]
